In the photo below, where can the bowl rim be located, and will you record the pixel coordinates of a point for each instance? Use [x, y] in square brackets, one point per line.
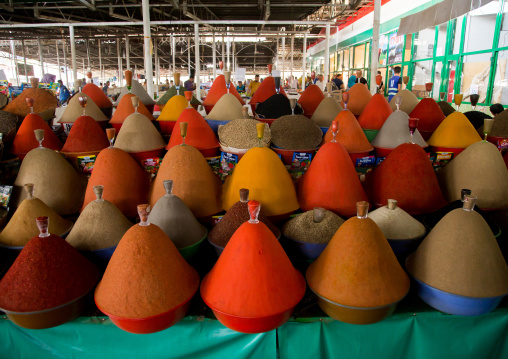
[196, 243]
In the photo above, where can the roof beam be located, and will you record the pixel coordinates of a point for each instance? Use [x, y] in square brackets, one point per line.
[90, 5]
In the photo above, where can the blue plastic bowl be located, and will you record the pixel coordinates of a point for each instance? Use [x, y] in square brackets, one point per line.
[105, 253]
[218, 249]
[308, 250]
[403, 247]
[214, 125]
[456, 304]
[324, 130]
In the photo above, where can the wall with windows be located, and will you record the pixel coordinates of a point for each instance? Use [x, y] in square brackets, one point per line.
[466, 55]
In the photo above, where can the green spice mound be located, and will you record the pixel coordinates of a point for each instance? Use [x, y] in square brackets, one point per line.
[296, 132]
[304, 229]
[172, 92]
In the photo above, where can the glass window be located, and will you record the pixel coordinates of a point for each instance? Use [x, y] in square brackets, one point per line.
[438, 70]
[424, 43]
[407, 49]
[452, 66]
[395, 47]
[346, 59]
[441, 40]
[383, 50]
[503, 34]
[457, 33]
[339, 61]
[480, 27]
[422, 72]
[500, 94]
[359, 57]
[367, 60]
[332, 63]
[475, 75]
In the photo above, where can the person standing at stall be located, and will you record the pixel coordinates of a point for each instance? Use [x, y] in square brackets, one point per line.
[395, 83]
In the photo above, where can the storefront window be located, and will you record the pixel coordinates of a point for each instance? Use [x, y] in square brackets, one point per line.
[480, 27]
[452, 66]
[383, 50]
[383, 74]
[395, 47]
[438, 70]
[424, 43]
[407, 49]
[359, 60]
[346, 59]
[441, 40]
[339, 60]
[332, 63]
[475, 75]
[503, 34]
[500, 92]
[457, 24]
[367, 60]
[422, 73]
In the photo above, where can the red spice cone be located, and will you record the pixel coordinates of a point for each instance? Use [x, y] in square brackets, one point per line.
[407, 176]
[253, 277]
[359, 97]
[375, 113]
[331, 182]
[429, 113]
[350, 134]
[310, 99]
[25, 140]
[86, 135]
[125, 108]
[125, 183]
[97, 95]
[199, 133]
[218, 89]
[265, 90]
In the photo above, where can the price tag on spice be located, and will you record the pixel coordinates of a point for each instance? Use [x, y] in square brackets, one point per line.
[151, 165]
[367, 161]
[228, 161]
[5, 195]
[502, 143]
[86, 163]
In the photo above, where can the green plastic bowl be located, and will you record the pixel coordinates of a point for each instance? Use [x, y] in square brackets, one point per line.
[190, 251]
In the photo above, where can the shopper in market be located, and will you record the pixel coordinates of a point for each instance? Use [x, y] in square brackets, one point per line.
[381, 87]
[395, 83]
[253, 86]
[359, 78]
[338, 81]
[352, 80]
[240, 87]
[189, 84]
[321, 82]
[105, 88]
[63, 92]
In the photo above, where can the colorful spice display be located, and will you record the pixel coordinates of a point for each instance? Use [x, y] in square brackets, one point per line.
[395, 132]
[310, 99]
[139, 134]
[275, 106]
[45, 103]
[409, 101]
[242, 133]
[226, 109]
[173, 108]
[217, 90]
[73, 110]
[326, 112]
[97, 95]
[199, 133]
[265, 91]
[125, 108]
[350, 134]
[295, 132]
[86, 135]
[359, 97]
[25, 140]
[454, 132]
[168, 95]
[374, 113]
[136, 90]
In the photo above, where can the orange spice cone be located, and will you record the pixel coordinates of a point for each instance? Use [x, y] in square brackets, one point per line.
[125, 108]
[217, 90]
[350, 134]
[97, 95]
[359, 97]
[199, 133]
[25, 140]
[86, 135]
[310, 99]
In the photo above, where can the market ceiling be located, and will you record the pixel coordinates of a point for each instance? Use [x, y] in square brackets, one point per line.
[258, 51]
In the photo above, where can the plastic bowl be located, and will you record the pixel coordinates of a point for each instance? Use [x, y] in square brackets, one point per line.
[72, 157]
[308, 250]
[252, 325]
[381, 152]
[214, 125]
[190, 251]
[455, 151]
[48, 318]
[356, 155]
[104, 253]
[456, 304]
[324, 130]
[370, 134]
[152, 324]
[287, 155]
[140, 156]
[235, 151]
[167, 127]
[355, 315]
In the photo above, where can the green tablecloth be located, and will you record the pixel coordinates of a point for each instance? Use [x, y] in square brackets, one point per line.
[406, 334]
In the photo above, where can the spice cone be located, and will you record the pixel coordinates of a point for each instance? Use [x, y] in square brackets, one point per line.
[454, 132]
[46, 274]
[446, 108]
[226, 109]
[45, 103]
[139, 134]
[359, 97]
[310, 99]
[461, 256]
[100, 225]
[74, 110]
[480, 168]
[58, 184]
[331, 182]
[395, 223]
[253, 277]
[172, 215]
[97, 95]
[500, 125]
[173, 109]
[146, 276]
[395, 132]
[22, 227]
[86, 135]
[295, 132]
[168, 95]
[358, 268]
[350, 134]
[25, 140]
[409, 101]
[219, 89]
[477, 119]
[375, 113]
[8, 126]
[326, 111]
[265, 91]
[263, 173]
[429, 114]
[199, 134]
[304, 227]
[406, 175]
[125, 183]
[275, 106]
[194, 181]
[125, 108]
[137, 90]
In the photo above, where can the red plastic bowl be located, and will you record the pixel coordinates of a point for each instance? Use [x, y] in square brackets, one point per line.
[210, 152]
[287, 155]
[151, 324]
[167, 127]
[357, 155]
[494, 139]
[253, 325]
[140, 156]
[455, 151]
[382, 152]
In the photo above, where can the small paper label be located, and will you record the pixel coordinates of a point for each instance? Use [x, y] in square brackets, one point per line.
[5, 195]
[215, 220]
[379, 160]
[301, 161]
[86, 163]
[151, 165]
[502, 143]
[441, 159]
[367, 161]
[473, 90]
[227, 164]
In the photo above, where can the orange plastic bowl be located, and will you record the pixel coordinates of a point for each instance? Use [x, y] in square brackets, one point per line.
[287, 155]
[252, 325]
[151, 324]
[167, 127]
[455, 151]
[140, 156]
